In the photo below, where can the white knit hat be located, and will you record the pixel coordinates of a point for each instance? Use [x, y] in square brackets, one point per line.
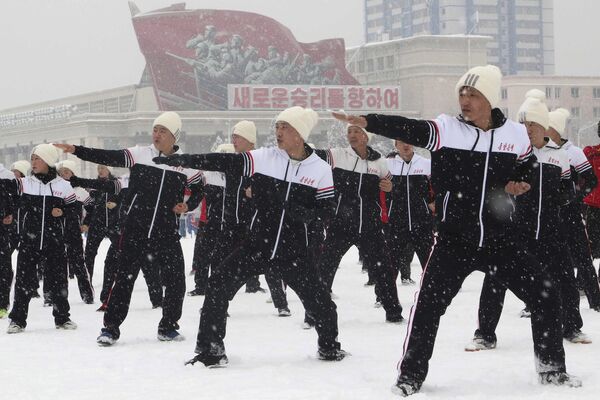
[171, 121]
[301, 119]
[536, 93]
[48, 153]
[486, 79]
[23, 166]
[558, 120]
[69, 164]
[225, 148]
[369, 134]
[534, 109]
[245, 129]
[108, 167]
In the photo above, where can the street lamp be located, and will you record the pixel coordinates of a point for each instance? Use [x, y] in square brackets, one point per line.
[475, 18]
[585, 128]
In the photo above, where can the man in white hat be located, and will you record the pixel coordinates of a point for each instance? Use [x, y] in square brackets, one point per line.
[101, 222]
[45, 198]
[292, 188]
[584, 182]
[359, 174]
[538, 226]
[410, 221]
[150, 227]
[478, 159]
[6, 221]
[73, 240]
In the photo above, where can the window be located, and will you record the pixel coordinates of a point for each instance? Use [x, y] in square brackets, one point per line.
[361, 66]
[504, 94]
[380, 65]
[370, 65]
[575, 111]
[596, 112]
[111, 105]
[596, 93]
[97, 106]
[389, 61]
[548, 92]
[575, 92]
[557, 93]
[126, 103]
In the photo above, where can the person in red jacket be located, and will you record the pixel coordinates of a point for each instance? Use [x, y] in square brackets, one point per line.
[592, 200]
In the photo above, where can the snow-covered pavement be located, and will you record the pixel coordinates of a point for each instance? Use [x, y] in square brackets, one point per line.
[273, 358]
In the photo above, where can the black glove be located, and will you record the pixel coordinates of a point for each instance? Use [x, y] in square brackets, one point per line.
[74, 181]
[174, 160]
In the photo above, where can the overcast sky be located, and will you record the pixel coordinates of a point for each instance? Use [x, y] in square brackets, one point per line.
[58, 48]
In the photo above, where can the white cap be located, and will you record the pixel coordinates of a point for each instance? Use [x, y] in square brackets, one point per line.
[171, 121]
[369, 134]
[69, 164]
[245, 129]
[23, 166]
[558, 120]
[534, 109]
[48, 153]
[225, 148]
[301, 119]
[486, 79]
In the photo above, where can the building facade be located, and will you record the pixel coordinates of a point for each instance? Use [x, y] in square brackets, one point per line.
[578, 94]
[122, 117]
[522, 31]
[426, 68]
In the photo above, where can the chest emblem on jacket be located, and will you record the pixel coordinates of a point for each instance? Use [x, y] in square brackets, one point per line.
[506, 147]
[307, 180]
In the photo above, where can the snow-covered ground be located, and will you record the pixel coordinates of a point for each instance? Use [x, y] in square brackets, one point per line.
[273, 358]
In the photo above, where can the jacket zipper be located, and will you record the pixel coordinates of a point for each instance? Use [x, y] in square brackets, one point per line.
[408, 196]
[43, 220]
[485, 173]
[106, 208]
[162, 181]
[287, 195]
[444, 205]
[539, 216]
[132, 201]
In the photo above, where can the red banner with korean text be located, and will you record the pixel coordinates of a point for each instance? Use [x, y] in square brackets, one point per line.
[277, 97]
[193, 55]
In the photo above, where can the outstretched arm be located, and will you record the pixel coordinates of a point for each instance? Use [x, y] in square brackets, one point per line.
[102, 185]
[418, 132]
[112, 158]
[236, 164]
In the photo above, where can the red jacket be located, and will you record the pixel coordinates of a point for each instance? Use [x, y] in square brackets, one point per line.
[593, 155]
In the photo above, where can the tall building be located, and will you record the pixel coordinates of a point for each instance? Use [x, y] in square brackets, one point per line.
[522, 30]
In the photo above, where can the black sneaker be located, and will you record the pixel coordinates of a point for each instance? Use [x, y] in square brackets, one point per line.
[332, 355]
[196, 292]
[106, 339]
[284, 312]
[406, 387]
[209, 360]
[370, 282]
[479, 343]
[170, 336]
[559, 379]
[394, 318]
[255, 290]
